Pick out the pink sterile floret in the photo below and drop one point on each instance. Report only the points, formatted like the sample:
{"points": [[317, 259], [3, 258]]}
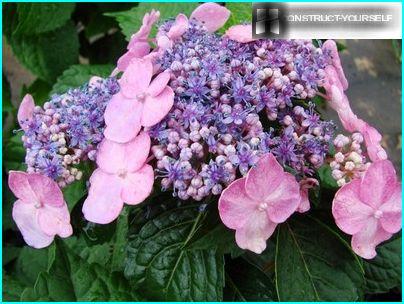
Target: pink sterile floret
{"points": [[122, 176], [140, 102], [40, 211], [212, 15], [240, 33], [255, 204], [25, 111], [369, 208]]}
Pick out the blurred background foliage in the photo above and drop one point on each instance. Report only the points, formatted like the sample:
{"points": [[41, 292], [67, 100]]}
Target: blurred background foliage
{"points": [[60, 45]]}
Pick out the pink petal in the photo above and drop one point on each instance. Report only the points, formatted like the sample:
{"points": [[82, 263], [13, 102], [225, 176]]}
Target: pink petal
{"points": [[349, 212], [268, 183], [254, 233], [103, 203], [372, 141], [156, 108], [25, 110], [391, 219], [240, 33], [26, 218], [378, 183], [164, 43], [55, 221], [139, 50], [148, 20], [114, 157], [304, 205], [158, 84], [235, 205], [365, 241], [19, 185], [46, 189], [179, 27], [122, 119], [136, 78], [212, 15], [138, 185], [331, 46]]}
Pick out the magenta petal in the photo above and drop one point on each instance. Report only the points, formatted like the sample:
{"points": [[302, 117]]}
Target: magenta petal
{"points": [[114, 157], [378, 183], [26, 218], [235, 205], [391, 219], [365, 241], [46, 190], [122, 119], [254, 233], [240, 33], [25, 110], [158, 84], [349, 212], [156, 108], [212, 15], [55, 221], [136, 77], [138, 185], [104, 202], [179, 27], [19, 185]]}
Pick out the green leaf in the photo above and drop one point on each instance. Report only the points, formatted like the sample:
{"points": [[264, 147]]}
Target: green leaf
{"points": [[74, 192], [10, 253], [384, 271], [47, 55], [313, 263], [39, 90], [71, 278], [240, 13], [161, 267], [37, 18], [119, 242], [77, 75], [131, 20], [14, 154], [326, 180], [7, 105], [12, 288], [247, 283]]}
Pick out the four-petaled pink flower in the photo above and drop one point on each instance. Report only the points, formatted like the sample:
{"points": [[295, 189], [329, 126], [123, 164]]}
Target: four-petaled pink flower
{"points": [[140, 102], [40, 211], [139, 46], [369, 208], [121, 176], [255, 204]]}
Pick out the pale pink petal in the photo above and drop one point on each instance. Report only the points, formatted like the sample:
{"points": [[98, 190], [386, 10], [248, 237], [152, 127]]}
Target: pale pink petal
{"points": [[164, 43], [254, 233], [26, 218], [240, 33], [122, 119], [46, 189], [365, 241], [137, 186], [148, 20], [331, 46], [156, 108], [104, 202], [55, 221], [378, 183], [179, 27], [372, 141], [391, 219], [212, 15], [349, 212], [19, 185], [25, 111], [304, 205], [158, 84], [136, 78], [139, 50], [114, 157], [235, 205]]}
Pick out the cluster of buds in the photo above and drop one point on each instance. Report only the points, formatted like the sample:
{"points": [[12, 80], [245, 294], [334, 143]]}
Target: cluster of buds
{"points": [[348, 162]]}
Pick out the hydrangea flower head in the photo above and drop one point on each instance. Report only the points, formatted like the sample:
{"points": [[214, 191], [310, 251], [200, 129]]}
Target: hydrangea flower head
{"points": [[369, 208], [255, 204], [40, 211]]}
